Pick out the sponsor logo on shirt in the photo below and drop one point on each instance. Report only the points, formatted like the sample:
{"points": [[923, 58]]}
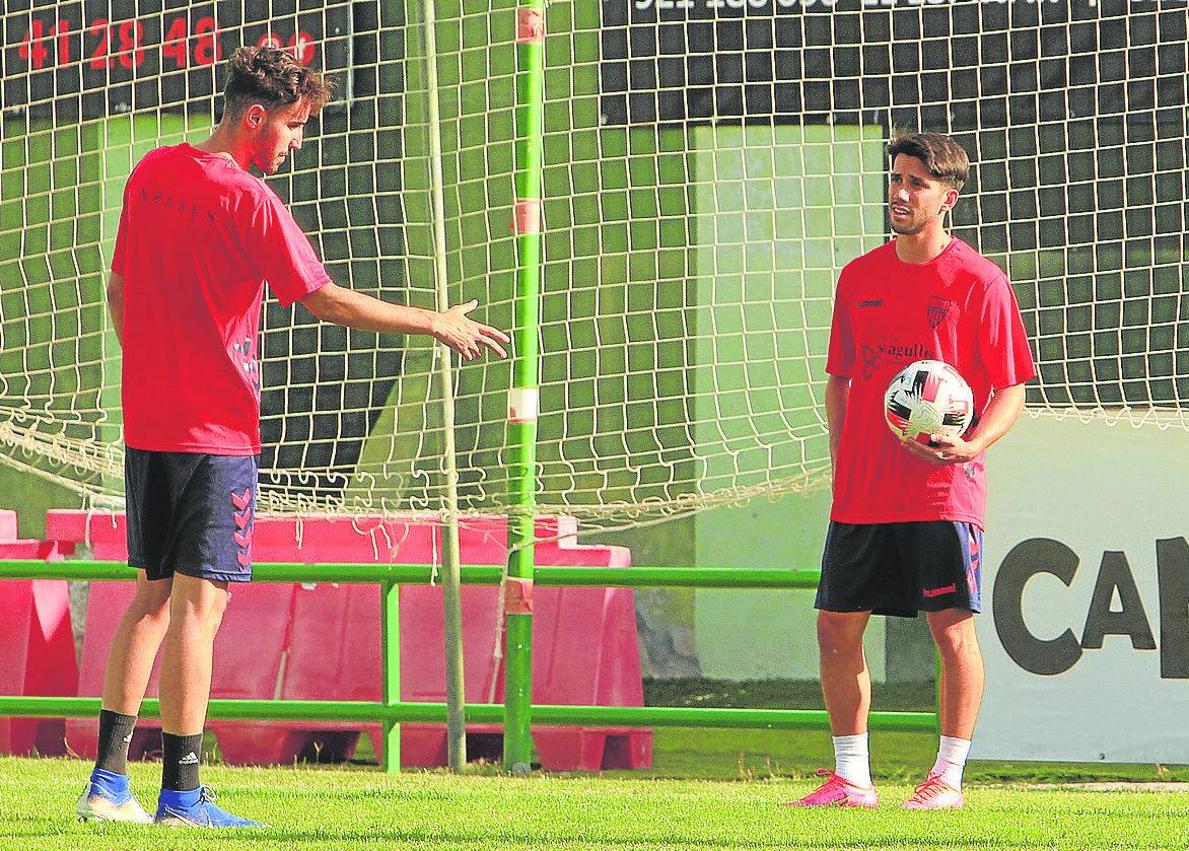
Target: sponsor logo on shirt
{"points": [[871, 302], [873, 358]]}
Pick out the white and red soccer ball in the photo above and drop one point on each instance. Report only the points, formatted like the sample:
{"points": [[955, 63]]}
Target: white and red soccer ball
{"points": [[926, 398]]}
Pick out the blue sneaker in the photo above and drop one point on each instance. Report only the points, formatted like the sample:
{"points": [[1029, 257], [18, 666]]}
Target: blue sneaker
{"points": [[196, 808], [108, 798]]}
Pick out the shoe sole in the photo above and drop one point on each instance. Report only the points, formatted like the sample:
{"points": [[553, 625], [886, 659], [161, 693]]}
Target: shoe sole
{"points": [[179, 821], [97, 812], [174, 821]]}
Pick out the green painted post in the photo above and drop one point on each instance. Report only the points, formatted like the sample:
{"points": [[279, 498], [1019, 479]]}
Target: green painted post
{"points": [[523, 395], [390, 662]]}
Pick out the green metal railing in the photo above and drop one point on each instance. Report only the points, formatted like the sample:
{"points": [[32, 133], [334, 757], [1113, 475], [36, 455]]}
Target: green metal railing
{"points": [[390, 711]]}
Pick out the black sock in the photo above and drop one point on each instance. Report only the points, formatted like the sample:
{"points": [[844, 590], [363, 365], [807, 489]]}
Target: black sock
{"points": [[179, 766], [115, 733]]}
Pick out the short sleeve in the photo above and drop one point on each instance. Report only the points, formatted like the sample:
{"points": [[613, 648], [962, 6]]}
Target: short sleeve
{"points": [[1002, 342], [283, 254], [840, 361]]}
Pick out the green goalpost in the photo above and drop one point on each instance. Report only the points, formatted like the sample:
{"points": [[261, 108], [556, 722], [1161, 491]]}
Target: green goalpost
{"points": [[523, 396]]}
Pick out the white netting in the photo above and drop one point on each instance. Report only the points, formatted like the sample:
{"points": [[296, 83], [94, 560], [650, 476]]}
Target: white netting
{"points": [[710, 165]]}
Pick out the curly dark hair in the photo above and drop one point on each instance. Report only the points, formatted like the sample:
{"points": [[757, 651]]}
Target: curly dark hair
{"points": [[272, 78], [945, 158]]}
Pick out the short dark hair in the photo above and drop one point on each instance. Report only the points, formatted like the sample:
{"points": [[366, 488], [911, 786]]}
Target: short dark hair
{"points": [[945, 158], [271, 78]]}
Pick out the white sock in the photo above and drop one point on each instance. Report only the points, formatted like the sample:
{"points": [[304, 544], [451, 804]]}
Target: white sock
{"points": [[951, 759], [851, 760]]}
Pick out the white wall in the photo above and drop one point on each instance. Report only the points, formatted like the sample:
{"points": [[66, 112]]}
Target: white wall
{"points": [[748, 635], [1089, 501]]}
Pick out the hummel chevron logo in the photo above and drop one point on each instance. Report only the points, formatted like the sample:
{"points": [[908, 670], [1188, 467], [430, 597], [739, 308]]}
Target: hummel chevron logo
{"points": [[243, 504], [243, 519]]}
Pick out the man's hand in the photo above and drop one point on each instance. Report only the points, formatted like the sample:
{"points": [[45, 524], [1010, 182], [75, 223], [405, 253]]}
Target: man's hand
{"points": [[343, 306], [466, 336], [1001, 413], [944, 450]]}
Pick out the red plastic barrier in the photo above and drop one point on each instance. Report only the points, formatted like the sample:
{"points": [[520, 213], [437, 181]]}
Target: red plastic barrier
{"points": [[584, 644], [106, 602], [36, 645], [322, 642], [253, 634]]}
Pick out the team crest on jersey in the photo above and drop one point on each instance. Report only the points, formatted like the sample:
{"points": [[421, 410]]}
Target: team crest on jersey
{"points": [[938, 310]]}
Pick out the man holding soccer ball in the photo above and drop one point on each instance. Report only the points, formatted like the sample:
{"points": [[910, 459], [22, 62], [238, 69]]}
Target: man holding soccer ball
{"points": [[199, 236], [906, 525]]}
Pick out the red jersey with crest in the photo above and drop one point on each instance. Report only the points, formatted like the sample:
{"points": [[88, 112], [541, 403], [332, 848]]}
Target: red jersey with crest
{"points": [[198, 238], [958, 308]]}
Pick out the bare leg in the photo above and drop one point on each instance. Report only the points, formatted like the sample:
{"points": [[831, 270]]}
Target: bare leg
{"points": [[846, 682], [134, 647], [197, 611], [961, 671]]}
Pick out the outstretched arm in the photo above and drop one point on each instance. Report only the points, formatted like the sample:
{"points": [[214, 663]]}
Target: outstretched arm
{"points": [[342, 306]]}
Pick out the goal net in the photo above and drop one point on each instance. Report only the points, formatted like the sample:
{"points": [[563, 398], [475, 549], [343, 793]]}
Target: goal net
{"points": [[710, 165]]}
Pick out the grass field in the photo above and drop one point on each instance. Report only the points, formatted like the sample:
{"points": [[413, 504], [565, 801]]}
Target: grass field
{"points": [[352, 808], [708, 789]]}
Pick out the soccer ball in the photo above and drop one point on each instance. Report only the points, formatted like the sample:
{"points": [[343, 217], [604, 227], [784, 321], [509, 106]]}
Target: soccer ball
{"points": [[928, 397]]}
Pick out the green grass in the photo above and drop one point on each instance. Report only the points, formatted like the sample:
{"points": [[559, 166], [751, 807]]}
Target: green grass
{"points": [[345, 808], [708, 789]]}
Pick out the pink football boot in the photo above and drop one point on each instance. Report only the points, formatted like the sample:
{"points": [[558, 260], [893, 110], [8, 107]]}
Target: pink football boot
{"points": [[837, 792], [933, 794]]}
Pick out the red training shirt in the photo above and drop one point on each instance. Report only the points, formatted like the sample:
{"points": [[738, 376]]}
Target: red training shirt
{"points": [[958, 308], [198, 238]]}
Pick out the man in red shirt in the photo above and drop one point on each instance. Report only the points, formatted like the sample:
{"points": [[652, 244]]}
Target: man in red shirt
{"points": [[906, 525], [199, 236]]}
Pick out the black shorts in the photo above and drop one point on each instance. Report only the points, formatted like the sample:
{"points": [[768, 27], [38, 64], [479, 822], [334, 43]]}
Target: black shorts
{"points": [[190, 513], [901, 568]]}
